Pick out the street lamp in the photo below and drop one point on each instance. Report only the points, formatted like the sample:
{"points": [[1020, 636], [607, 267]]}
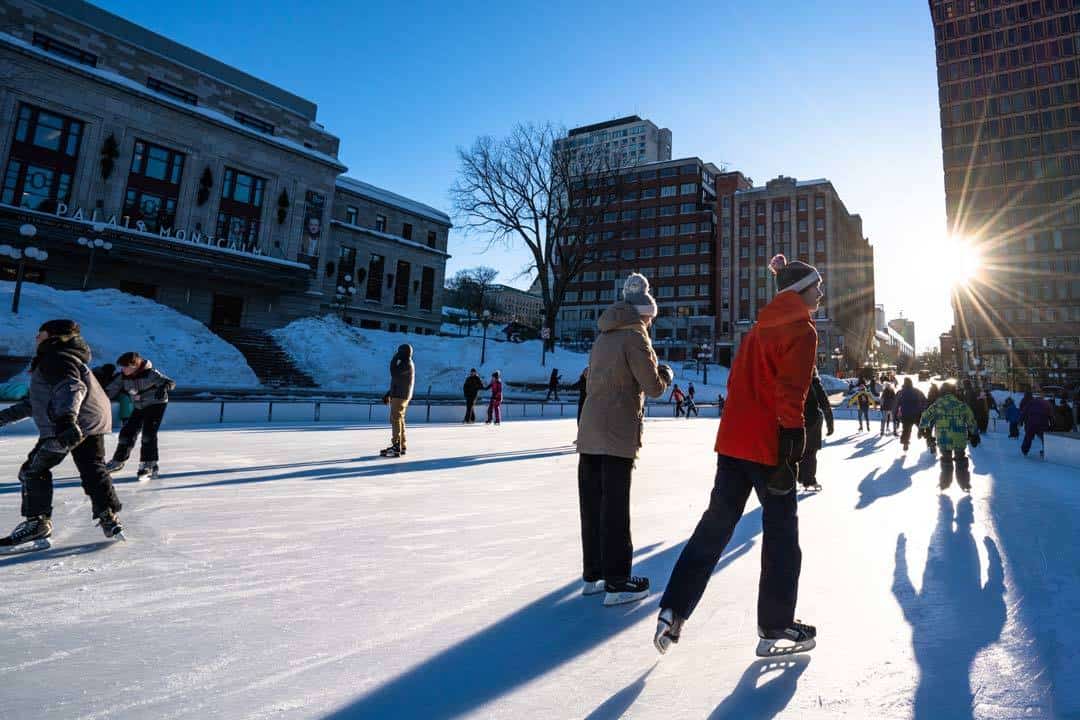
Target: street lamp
{"points": [[345, 293], [27, 232], [485, 320], [94, 245], [837, 355]]}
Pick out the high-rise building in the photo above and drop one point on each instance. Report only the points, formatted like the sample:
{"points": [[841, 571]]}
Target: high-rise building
{"points": [[1009, 90], [616, 143], [906, 328], [805, 220]]}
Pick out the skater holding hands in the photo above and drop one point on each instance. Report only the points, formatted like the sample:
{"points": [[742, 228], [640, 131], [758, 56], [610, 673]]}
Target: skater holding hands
{"points": [[148, 390], [494, 410]]}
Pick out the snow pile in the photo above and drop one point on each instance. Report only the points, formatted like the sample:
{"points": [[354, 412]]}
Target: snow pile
{"points": [[114, 322], [344, 357]]}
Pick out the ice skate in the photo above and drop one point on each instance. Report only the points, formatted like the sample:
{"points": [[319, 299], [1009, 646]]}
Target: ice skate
{"points": [[668, 630], [626, 591], [814, 487], [391, 451], [592, 587], [147, 471], [114, 466], [798, 638], [110, 525], [31, 534]]}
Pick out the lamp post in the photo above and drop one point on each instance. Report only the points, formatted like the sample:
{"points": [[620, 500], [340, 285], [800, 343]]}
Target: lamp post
{"points": [[27, 232], [485, 320], [94, 244], [345, 293], [837, 356]]}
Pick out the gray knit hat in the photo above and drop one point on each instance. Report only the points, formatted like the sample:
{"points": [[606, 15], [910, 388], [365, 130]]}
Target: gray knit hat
{"points": [[636, 292], [795, 275]]}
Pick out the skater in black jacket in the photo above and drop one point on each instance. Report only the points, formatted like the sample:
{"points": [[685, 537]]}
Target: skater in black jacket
{"points": [[553, 385], [582, 389], [472, 388], [73, 415], [149, 390], [816, 412]]}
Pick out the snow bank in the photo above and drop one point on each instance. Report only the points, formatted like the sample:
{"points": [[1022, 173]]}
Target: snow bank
{"points": [[114, 322], [344, 357]]}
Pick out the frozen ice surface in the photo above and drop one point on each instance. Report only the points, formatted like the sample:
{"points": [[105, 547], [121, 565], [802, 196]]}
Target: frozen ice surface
{"points": [[288, 572]]}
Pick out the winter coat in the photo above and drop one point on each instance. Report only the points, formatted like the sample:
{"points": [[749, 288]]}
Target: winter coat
{"points": [[954, 422], [62, 385], [401, 373], [622, 370], [473, 386], [815, 412], [496, 390], [144, 388], [862, 398], [1063, 418], [677, 396], [583, 391], [690, 391], [888, 399], [1036, 414], [910, 402], [1012, 413], [769, 380], [553, 382]]}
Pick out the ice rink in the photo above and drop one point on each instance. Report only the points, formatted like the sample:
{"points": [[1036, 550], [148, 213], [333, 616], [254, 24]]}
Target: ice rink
{"points": [[289, 572]]}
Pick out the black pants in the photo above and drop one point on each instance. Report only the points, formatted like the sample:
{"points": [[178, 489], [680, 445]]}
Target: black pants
{"points": [[580, 407], [781, 558], [808, 466], [905, 435], [470, 409], [553, 390], [147, 420], [89, 457], [604, 497], [1014, 430], [951, 459], [1029, 437]]}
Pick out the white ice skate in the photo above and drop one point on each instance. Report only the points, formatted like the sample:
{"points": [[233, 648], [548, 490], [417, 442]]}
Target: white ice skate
{"points": [[798, 638], [668, 630], [592, 588]]}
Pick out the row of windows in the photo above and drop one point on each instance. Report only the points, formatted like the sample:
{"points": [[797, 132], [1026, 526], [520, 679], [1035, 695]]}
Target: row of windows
{"points": [[1042, 315], [802, 204], [1008, 127], [352, 217], [1004, 150], [989, 200], [372, 279], [804, 247], [1013, 172], [1009, 82], [978, 110], [665, 271], [661, 292], [1006, 38], [782, 228], [640, 176], [1008, 60], [650, 213], [977, 12]]}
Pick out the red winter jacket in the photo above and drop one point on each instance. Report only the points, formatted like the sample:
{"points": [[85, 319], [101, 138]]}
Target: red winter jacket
{"points": [[769, 381]]}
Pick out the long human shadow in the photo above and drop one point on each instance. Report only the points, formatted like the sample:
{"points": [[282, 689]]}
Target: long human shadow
{"points": [[894, 480], [954, 616], [392, 466], [53, 553], [750, 699], [868, 446], [616, 706], [520, 647]]}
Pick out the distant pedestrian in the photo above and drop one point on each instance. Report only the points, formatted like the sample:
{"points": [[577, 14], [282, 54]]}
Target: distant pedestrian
{"points": [[472, 387], [910, 403], [888, 409], [862, 400], [720, 406], [678, 397], [553, 385], [1063, 416], [1036, 415], [148, 390], [494, 409], [816, 412], [1012, 416], [691, 407], [402, 377], [582, 389], [690, 391]]}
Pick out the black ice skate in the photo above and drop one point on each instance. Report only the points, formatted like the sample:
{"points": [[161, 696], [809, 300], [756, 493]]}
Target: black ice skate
{"points": [[110, 525], [797, 638], [391, 451], [31, 534], [626, 591], [147, 471], [114, 466], [668, 629]]}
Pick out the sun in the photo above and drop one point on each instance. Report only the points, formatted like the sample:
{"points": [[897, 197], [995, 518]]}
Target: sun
{"points": [[958, 260]]}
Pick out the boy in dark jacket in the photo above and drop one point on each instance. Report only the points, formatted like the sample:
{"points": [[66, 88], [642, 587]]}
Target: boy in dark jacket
{"points": [[402, 373], [815, 412], [73, 415], [583, 391], [472, 388], [553, 385], [888, 409], [148, 389], [1035, 415], [1012, 416], [910, 403]]}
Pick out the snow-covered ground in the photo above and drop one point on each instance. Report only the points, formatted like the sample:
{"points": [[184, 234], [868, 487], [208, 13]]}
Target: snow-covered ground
{"points": [[345, 357], [114, 323], [288, 572]]}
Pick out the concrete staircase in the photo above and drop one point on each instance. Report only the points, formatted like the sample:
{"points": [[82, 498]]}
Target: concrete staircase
{"points": [[268, 361]]}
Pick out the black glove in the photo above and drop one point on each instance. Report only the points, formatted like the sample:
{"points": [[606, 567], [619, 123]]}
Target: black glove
{"points": [[666, 373], [830, 430], [782, 479], [68, 433], [974, 439], [386, 399]]}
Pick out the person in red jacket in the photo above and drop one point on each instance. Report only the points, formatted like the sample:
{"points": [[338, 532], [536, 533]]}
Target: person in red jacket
{"points": [[495, 404], [759, 444]]}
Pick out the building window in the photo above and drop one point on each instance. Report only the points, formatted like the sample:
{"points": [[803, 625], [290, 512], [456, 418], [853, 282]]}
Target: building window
{"points": [[819, 246], [432, 239], [761, 293], [346, 266], [819, 225], [374, 277], [571, 296], [253, 122], [704, 289], [401, 289], [687, 269], [688, 188], [241, 209], [427, 288], [669, 191], [667, 271], [688, 249], [667, 291], [153, 185], [380, 223], [802, 226], [172, 91], [687, 291], [802, 204], [44, 154], [406, 231], [687, 228], [351, 215], [667, 250], [629, 254], [819, 202], [62, 49]]}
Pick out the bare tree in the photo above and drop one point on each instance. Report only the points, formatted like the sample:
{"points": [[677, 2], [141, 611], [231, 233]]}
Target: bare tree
{"points": [[471, 288], [528, 189]]}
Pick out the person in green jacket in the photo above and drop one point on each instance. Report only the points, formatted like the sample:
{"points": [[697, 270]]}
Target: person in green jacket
{"points": [[955, 425]]}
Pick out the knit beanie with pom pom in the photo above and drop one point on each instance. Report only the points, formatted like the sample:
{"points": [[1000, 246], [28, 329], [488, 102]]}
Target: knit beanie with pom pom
{"points": [[795, 275], [636, 292]]}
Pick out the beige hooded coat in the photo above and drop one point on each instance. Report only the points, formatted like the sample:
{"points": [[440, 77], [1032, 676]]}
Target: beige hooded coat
{"points": [[622, 370]]}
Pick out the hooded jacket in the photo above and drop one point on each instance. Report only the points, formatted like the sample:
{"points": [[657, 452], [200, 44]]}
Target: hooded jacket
{"points": [[910, 402], [1036, 414], [143, 386], [769, 380], [472, 387], [816, 411], [953, 421], [622, 370], [62, 386], [401, 373]]}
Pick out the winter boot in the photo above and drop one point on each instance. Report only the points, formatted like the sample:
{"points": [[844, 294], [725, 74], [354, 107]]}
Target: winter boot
{"points": [[625, 591], [110, 524], [31, 534], [668, 629], [946, 477], [963, 474], [592, 587], [796, 638]]}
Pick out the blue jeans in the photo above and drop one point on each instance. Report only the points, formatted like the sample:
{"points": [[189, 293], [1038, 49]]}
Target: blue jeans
{"points": [[781, 558]]}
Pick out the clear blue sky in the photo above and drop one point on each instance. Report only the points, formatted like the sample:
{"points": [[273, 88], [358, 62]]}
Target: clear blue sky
{"points": [[842, 89]]}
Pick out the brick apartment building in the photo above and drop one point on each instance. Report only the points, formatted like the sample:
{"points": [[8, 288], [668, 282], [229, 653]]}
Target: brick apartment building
{"points": [[1009, 90]]}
